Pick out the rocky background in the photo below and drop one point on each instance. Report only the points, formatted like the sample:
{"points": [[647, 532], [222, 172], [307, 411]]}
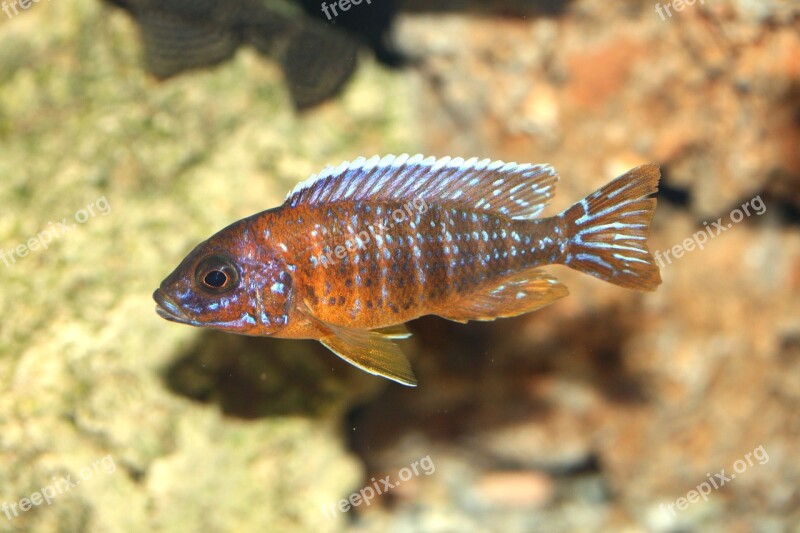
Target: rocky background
{"points": [[603, 412]]}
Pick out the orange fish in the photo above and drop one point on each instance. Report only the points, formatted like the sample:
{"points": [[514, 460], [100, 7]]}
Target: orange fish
{"points": [[359, 249]]}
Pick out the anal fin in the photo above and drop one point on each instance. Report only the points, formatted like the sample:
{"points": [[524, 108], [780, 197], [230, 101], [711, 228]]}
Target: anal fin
{"points": [[513, 296], [398, 331]]}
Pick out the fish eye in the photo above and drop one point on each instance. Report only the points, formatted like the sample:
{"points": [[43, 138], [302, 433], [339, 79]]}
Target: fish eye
{"points": [[215, 279], [216, 274]]}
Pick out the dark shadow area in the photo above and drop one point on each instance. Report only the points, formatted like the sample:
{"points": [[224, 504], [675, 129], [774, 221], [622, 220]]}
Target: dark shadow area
{"points": [[474, 379], [780, 192], [251, 377], [789, 211], [680, 197], [477, 377], [782, 206]]}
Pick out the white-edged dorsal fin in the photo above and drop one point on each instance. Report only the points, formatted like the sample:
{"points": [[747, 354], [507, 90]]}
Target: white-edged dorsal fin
{"points": [[515, 190]]}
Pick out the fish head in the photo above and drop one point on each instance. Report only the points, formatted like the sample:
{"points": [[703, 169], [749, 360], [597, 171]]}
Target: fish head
{"points": [[227, 283]]}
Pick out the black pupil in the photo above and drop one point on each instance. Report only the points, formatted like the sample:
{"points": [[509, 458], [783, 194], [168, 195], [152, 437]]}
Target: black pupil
{"points": [[216, 279]]}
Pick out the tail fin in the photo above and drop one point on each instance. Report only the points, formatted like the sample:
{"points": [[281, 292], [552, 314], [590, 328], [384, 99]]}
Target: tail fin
{"points": [[608, 231]]}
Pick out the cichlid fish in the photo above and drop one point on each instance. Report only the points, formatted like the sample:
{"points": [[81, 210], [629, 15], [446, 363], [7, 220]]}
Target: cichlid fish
{"points": [[359, 249], [370, 22], [180, 35]]}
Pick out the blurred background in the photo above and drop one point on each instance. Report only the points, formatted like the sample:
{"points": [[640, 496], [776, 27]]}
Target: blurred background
{"points": [[132, 130]]}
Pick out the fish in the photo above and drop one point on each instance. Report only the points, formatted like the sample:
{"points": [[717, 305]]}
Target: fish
{"points": [[359, 249], [370, 22], [181, 35]]}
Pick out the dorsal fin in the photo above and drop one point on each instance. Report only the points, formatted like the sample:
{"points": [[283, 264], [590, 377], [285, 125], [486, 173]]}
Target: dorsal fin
{"points": [[518, 191]]}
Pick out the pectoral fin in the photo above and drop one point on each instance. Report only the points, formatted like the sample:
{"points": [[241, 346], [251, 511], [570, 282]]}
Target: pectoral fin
{"points": [[372, 352]]}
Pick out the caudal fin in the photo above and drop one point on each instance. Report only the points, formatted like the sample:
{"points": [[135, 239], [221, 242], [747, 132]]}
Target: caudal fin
{"points": [[608, 231]]}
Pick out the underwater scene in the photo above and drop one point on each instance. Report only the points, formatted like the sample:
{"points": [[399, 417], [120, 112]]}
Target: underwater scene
{"points": [[400, 266]]}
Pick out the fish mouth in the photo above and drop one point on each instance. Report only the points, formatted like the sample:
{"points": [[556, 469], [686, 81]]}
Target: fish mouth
{"points": [[168, 309]]}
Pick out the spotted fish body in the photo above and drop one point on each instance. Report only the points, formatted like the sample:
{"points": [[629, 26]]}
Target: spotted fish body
{"points": [[362, 248]]}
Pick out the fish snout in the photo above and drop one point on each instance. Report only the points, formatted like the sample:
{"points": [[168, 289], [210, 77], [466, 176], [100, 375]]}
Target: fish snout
{"points": [[168, 309]]}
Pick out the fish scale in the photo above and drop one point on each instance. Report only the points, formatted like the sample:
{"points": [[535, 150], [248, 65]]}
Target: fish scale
{"points": [[361, 248], [414, 284]]}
